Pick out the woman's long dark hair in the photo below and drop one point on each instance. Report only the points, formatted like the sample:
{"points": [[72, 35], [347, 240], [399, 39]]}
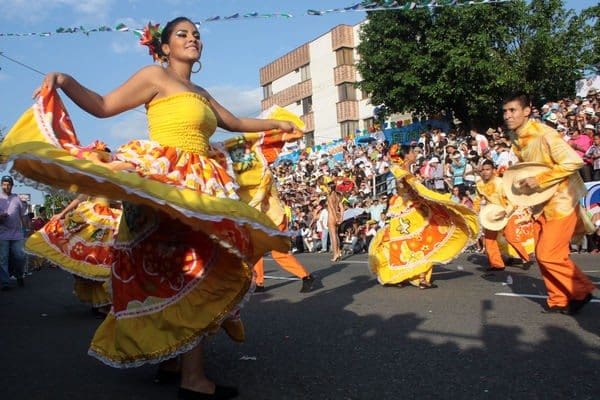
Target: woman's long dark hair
{"points": [[165, 35]]}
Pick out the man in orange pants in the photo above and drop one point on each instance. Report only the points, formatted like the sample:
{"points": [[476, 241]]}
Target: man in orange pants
{"points": [[265, 199], [288, 262], [491, 190], [568, 288]]}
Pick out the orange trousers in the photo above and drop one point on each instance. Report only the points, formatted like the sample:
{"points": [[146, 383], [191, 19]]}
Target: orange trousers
{"points": [[286, 260], [493, 250], [563, 279]]}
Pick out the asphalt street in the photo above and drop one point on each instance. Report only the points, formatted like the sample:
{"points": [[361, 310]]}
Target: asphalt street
{"points": [[474, 337]]}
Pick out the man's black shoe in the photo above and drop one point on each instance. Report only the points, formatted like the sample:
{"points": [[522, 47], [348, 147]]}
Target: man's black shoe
{"points": [[576, 305], [307, 284], [556, 310], [491, 271], [529, 264]]}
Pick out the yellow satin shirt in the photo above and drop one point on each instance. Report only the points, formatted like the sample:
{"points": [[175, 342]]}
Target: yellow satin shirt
{"points": [[536, 142], [492, 191]]}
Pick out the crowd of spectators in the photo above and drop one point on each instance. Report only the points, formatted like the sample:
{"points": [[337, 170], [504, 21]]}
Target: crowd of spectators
{"points": [[447, 162]]}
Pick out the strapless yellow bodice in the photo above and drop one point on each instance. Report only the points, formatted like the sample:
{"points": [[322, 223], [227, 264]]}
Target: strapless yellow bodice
{"points": [[183, 120]]}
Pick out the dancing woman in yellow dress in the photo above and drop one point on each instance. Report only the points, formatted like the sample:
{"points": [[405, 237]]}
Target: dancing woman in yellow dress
{"points": [[186, 243], [425, 228], [79, 240]]}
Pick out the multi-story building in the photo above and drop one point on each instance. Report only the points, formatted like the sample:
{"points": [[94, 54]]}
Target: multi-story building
{"points": [[317, 81]]}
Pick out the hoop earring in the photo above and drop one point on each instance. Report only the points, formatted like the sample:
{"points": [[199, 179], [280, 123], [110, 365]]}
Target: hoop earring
{"points": [[199, 67], [164, 61]]}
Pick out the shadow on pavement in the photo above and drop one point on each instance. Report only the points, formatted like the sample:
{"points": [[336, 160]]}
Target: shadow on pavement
{"points": [[304, 347]]}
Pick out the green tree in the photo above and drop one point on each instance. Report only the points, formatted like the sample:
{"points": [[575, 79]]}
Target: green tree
{"points": [[56, 200], [591, 34], [463, 60]]}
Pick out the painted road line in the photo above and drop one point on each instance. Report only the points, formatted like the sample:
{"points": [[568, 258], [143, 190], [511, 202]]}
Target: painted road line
{"points": [[281, 278], [342, 261], [533, 296]]}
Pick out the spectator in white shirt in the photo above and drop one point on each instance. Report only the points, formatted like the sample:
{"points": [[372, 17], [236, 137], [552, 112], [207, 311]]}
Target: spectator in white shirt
{"points": [[482, 142], [322, 228], [505, 157]]}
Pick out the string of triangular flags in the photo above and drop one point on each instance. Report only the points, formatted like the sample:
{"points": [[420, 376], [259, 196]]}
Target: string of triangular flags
{"points": [[387, 5]]}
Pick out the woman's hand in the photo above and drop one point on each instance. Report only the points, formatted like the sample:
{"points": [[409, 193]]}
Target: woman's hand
{"points": [[58, 216], [530, 183], [52, 80], [287, 126]]}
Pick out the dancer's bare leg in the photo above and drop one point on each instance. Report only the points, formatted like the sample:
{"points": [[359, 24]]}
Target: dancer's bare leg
{"points": [[192, 372], [335, 245], [114, 165], [120, 166]]}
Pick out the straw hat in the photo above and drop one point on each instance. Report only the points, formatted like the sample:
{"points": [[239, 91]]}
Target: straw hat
{"points": [[552, 118], [526, 197], [488, 220]]}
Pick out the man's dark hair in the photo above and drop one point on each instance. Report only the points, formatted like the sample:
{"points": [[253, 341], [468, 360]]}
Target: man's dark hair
{"points": [[488, 162], [523, 98]]}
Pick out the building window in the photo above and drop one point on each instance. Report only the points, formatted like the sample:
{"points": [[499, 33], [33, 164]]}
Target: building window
{"points": [[368, 124], [267, 91], [346, 91], [309, 139], [344, 56], [304, 73], [348, 128], [363, 94], [306, 105]]}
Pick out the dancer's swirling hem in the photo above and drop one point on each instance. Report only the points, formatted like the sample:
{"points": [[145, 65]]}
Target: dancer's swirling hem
{"points": [[43, 162], [56, 167], [186, 344], [80, 238], [460, 228]]}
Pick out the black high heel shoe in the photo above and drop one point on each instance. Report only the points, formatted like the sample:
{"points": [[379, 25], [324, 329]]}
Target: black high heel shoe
{"points": [[221, 393]]}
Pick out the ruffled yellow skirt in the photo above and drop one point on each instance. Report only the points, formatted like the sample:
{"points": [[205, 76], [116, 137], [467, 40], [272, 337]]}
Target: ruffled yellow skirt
{"points": [[92, 292], [81, 243], [181, 261], [426, 228]]}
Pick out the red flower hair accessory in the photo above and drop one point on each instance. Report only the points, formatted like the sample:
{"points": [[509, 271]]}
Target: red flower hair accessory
{"points": [[151, 37]]}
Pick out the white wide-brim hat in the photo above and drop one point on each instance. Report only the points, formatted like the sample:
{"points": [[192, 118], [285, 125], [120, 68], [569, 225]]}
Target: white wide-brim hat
{"points": [[524, 196], [488, 220]]}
